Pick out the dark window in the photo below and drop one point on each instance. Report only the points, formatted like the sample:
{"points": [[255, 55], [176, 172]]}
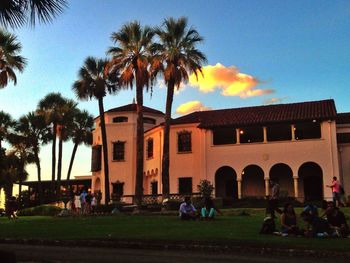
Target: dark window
{"points": [[154, 188], [118, 188], [279, 132], [96, 158], [224, 136], [184, 142], [251, 134], [119, 151], [185, 185], [150, 148], [307, 130], [149, 120], [120, 119]]}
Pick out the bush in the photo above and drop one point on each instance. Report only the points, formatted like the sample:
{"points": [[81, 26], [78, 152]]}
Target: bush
{"points": [[105, 209], [42, 210]]}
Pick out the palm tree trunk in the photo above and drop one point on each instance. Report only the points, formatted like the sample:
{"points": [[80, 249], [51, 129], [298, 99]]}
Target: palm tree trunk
{"points": [[38, 168], [166, 157], [71, 161], [53, 163], [139, 146], [104, 149], [59, 164]]}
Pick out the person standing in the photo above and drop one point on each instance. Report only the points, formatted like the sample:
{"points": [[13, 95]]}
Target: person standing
{"points": [[335, 186], [273, 199]]}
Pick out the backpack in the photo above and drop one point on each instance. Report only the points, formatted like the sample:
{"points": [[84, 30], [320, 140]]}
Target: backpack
{"points": [[268, 226], [341, 190]]}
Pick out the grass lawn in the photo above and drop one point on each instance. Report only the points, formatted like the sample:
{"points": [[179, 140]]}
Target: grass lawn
{"points": [[228, 229]]}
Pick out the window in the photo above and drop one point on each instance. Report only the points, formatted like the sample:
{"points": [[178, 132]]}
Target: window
{"points": [[120, 119], [154, 188], [185, 185], [224, 136], [251, 134], [149, 120], [279, 132], [118, 188], [184, 142], [149, 149], [119, 151], [307, 130], [96, 158]]}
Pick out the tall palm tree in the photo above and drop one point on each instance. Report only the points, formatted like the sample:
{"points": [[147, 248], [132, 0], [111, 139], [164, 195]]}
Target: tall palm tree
{"points": [[93, 83], [50, 107], [33, 126], [65, 126], [176, 56], [81, 134], [16, 13], [131, 59], [10, 60], [6, 125]]}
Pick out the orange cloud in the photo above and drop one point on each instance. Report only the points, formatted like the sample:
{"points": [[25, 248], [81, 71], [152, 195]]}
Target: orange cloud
{"points": [[229, 80], [191, 106]]}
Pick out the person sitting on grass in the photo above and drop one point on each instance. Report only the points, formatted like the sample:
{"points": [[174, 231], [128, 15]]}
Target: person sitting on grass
{"points": [[209, 209], [315, 225], [289, 221], [187, 210], [337, 221], [11, 207]]}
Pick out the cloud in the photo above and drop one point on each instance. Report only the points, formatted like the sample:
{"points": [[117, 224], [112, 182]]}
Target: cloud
{"points": [[161, 84], [191, 106], [274, 100], [229, 80]]}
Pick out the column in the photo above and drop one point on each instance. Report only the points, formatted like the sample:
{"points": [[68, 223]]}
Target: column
{"points": [[239, 186], [267, 186], [237, 137], [265, 134], [293, 132], [296, 186]]}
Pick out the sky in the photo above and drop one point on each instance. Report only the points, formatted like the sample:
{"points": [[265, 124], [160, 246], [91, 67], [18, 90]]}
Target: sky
{"points": [[259, 52]]}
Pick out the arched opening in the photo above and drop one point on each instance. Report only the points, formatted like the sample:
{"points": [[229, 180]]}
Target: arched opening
{"points": [[311, 181], [253, 183], [226, 183], [97, 185], [283, 175]]}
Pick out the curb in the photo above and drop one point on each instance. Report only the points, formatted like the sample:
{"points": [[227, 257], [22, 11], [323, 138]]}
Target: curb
{"points": [[184, 245]]}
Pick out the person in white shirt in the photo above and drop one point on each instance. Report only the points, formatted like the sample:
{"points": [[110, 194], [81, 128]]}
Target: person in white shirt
{"points": [[187, 210]]}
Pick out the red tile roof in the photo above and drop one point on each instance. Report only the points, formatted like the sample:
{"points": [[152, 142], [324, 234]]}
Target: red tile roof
{"points": [[132, 107], [343, 118], [304, 111], [343, 137]]}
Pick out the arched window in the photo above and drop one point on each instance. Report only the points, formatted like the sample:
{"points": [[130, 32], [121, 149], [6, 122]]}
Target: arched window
{"points": [[120, 119]]}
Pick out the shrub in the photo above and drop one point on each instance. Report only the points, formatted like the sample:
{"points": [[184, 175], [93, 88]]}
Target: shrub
{"points": [[42, 210], [206, 188]]}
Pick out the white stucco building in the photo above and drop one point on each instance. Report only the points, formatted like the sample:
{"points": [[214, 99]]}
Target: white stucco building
{"points": [[302, 145]]}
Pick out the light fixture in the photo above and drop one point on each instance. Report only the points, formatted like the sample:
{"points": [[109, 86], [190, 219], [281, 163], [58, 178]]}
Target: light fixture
{"points": [[241, 132]]}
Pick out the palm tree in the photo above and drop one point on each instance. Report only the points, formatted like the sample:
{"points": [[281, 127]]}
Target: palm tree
{"points": [[65, 126], [16, 13], [34, 128], [176, 56], [81, 134], [131, 59], [50, 107], [10, 60], [93, 83], [6, 124]]}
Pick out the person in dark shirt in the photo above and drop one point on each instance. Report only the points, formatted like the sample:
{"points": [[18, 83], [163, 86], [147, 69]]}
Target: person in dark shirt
{"points": [[209, 209], [315, 225], [289, 221], [337, 221]]}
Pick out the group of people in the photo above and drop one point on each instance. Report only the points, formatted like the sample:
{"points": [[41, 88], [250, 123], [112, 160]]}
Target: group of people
{"points": [[187, 210], [83, 202]]}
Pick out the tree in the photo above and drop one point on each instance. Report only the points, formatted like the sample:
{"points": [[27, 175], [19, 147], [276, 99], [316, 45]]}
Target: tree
{"points": [[6, 125], [16, 13], [34, 128], [50, 107], [10, 60], [131, 61], [93, 83], [81, 134], [176, 56]]}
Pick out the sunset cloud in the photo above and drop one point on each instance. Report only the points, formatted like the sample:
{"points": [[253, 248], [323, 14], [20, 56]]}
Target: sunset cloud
{"points": [[229, 80], [274, 100], [191, 106]]}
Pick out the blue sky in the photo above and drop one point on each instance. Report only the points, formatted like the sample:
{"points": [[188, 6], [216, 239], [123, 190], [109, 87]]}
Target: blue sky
{"points": [[299, 49]]}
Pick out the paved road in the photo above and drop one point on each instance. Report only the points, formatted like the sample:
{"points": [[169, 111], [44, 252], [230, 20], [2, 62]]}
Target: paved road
{"points": [[27, 253]]}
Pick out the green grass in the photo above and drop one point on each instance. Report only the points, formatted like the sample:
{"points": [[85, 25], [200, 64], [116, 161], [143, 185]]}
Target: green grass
{"points": [[228, 229]]}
